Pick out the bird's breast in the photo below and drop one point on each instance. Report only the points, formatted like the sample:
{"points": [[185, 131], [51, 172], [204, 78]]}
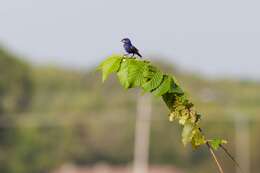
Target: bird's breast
{"points": [[127, 47]]}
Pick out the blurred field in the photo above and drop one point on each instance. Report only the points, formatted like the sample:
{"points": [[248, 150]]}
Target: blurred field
{"points": [[52, 117], [113, 169]]}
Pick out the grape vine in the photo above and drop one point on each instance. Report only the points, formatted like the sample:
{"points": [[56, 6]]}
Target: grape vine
{"points": [[132, 72]]}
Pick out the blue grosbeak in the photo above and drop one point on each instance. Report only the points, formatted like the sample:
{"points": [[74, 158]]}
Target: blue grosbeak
{"points": [[129, 48]]}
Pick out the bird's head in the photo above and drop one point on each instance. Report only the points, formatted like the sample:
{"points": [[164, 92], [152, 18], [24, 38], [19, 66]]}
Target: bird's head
{"points": [[126, 40]]}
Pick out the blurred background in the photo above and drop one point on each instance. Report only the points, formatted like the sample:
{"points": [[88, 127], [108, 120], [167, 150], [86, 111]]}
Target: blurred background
{"points": [[56, 116]]}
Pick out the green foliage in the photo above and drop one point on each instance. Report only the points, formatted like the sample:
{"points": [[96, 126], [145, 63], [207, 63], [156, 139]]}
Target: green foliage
{"points": [[132, 72], [154, 82], [111, 65], [15, 84], [216, 143], [164, 87], [123, 74], [137, 73], [15, 97]]}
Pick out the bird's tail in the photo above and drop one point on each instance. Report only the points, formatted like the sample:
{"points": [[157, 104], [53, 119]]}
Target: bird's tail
{"points": [[139, 54]]}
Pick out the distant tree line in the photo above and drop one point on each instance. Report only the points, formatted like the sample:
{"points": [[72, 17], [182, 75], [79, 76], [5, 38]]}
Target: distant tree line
{"points": [[15, 84], [15, 96]]}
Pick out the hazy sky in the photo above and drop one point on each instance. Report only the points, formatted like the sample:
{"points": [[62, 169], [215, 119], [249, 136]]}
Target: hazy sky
{"points": [[211, 37]]}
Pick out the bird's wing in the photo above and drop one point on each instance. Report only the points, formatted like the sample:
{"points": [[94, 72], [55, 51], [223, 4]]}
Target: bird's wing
{"points": [[134, 49]]}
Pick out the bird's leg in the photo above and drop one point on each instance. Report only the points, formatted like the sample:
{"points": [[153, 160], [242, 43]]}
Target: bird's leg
{"points": [[133, 55]]}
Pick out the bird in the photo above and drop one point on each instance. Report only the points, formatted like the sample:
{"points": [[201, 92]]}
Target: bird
{"points": [[129, 48]]}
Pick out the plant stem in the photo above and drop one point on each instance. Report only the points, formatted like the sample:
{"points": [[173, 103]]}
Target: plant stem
{"points": [[231, 157], [214, 157]]}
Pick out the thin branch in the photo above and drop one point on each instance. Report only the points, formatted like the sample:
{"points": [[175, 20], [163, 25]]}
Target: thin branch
{"points": [[214, 157], [231, 157]]}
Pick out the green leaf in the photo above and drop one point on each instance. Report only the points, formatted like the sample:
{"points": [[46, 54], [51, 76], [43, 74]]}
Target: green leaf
{"points": [[215, 143], [122, 74], [175, 88], [187, 133], [109, 66], [133, 73], [164, 87], [151, 71], [154, 82], [136, 72]]}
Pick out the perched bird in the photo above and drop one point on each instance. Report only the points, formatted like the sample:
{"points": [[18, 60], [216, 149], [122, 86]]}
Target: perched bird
{"points": [[129, 48]]}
